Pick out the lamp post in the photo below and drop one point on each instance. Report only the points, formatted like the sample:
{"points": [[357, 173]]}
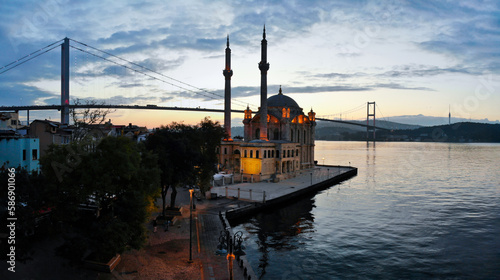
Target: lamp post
{"points": [[230, 258], [234, 247], [190, 225]]}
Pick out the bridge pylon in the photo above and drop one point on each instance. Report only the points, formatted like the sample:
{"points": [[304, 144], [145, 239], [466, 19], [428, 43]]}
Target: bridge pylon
{"points": [[370, 116], [65, 81]]}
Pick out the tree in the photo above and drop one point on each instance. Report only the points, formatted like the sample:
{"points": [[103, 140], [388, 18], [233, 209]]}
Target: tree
{"points": [[176, 157], [27, 195], [210, 134], [120, 179], [186, 155], [88, 122]]}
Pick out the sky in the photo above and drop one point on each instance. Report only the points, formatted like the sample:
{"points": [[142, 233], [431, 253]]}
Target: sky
{"points": [[410, 57]]}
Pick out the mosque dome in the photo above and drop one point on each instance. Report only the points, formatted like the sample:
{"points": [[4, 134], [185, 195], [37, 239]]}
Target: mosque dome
{"points": [[281, 100]]}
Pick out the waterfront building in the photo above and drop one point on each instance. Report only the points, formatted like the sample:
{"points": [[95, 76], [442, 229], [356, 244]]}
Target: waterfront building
{"points": [[18, 151], [278, 140]]}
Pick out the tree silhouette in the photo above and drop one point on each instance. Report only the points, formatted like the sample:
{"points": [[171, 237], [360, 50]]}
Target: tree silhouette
{"points": [[186, 155]]}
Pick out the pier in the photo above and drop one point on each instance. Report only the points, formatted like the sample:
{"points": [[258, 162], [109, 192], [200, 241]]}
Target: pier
{"points": [[255, 197]]}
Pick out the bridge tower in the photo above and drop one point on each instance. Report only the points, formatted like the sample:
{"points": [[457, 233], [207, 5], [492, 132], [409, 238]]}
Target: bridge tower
{"points": [[65, 81], [370, 115]]}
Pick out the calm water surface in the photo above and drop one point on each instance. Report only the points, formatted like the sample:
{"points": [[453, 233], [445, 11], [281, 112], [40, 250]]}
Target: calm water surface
{"points": [[415, 210]]}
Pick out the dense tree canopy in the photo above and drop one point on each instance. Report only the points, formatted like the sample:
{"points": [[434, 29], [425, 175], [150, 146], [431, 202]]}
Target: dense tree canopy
{"points": [[118, 179], [186, 154]]}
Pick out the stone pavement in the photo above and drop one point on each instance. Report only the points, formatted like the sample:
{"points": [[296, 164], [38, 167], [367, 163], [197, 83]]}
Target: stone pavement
{"points": [[255, 191], [209, 226], [157, 261]]}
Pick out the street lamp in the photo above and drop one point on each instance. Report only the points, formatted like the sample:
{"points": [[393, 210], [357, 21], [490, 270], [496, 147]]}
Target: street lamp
{"points": [[234, 247], [190, 225]]}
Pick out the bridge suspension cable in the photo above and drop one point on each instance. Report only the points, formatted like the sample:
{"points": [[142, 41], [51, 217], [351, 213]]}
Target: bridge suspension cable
{"points": [[198, 91], [211, 95], [383, 118], [346, 112], [29, 57], [138, 71]]}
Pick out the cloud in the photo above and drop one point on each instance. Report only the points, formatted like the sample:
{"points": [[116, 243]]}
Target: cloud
{"points": [[399, 86], [466, 32], [125, 100], [339, 76], [414, 70], [163, 35], [19, 94]]}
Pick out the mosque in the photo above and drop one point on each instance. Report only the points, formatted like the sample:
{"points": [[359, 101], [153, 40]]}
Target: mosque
{"points": [[278, 140]]}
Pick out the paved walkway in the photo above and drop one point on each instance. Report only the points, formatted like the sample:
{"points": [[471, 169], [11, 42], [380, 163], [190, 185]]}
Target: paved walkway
{"points": [[255, 191], [209, 226], [167, 253]]}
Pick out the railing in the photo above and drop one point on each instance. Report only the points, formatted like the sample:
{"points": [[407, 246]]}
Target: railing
{"points": [[223, 181], [250, 194]]}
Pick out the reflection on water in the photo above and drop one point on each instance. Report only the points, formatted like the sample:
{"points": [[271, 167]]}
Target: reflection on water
{"points": [[277, 229], [415, 210]]}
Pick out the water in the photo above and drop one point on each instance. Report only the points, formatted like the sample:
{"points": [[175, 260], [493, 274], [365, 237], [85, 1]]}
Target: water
{"points": [[415, 210]]}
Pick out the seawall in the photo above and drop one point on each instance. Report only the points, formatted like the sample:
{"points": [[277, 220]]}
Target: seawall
{"points": [[299, 187]]}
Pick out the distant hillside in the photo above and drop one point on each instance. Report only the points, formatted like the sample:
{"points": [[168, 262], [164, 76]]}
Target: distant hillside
{"points": [[458, 132], [433, 121], [338, 131], [237, 131]]}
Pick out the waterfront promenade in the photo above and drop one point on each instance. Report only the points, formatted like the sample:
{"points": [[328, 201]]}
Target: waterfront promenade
{"points": [[166, 254], [262, 192]]}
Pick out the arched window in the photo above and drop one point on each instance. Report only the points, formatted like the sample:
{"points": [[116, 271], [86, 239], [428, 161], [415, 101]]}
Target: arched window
{"points": [[246, 153], [291, 135], [256, 154], [257, 133], [276, 134]]}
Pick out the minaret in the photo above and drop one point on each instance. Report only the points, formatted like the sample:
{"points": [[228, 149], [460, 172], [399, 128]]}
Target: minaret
{"points": [[227, 72], [263, 66]]}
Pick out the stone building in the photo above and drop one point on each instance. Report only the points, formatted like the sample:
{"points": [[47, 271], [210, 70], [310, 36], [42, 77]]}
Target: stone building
{"points": [[275, 147]]}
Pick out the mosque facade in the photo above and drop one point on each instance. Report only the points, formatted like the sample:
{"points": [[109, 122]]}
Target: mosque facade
{"points": [[278, 139]]}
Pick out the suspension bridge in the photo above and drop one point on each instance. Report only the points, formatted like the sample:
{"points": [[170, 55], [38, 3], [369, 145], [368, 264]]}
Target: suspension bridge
{"points": [[151, 74]]}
